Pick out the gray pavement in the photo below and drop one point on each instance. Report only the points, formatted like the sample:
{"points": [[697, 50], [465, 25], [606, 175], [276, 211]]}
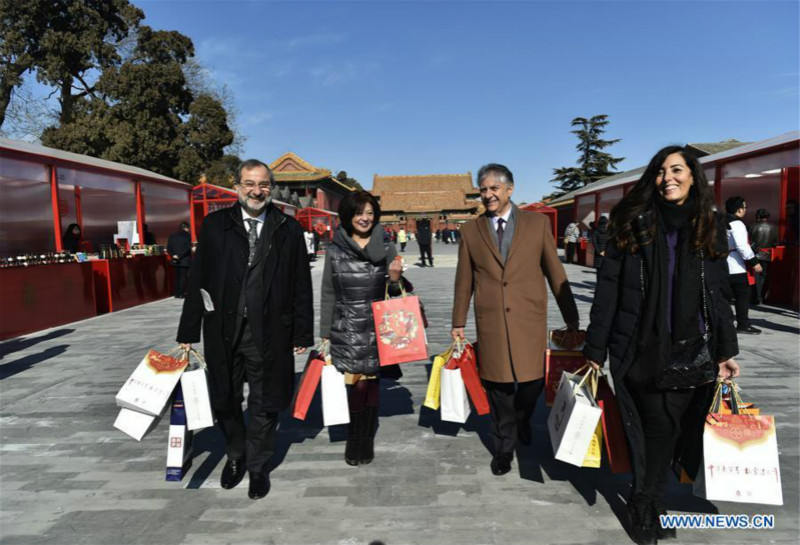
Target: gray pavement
{"points": [[67, 476]]}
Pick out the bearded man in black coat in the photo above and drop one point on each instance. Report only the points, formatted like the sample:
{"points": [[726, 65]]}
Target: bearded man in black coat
{"points": [[250, 292]]}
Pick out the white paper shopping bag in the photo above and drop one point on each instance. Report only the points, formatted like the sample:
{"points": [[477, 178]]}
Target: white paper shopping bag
{"points": [[148, 388], [335, 409], [134, 423], [573, 420], [454, 401], [196, 399], [740, 460]]}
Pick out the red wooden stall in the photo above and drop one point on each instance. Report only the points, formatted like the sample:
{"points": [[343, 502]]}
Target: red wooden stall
{"points": [[42, 296], [551, 213], [322, 222]]}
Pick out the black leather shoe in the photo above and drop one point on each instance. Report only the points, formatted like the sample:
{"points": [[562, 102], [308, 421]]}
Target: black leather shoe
{"points": [[501, 464], [259, 485], [749, 330], [232, 474], [524, 434]]}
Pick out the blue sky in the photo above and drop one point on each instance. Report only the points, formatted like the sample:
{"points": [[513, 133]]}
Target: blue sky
{"points": [[444, 87]]}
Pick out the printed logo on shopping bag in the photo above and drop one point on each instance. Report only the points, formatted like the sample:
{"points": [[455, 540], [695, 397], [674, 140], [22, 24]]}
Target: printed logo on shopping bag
{"points": [[175, 442], [740, 430], [398, 328], [161, 363]]}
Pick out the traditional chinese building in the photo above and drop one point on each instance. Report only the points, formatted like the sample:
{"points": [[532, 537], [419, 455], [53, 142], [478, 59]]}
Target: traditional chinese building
{"points": [[303, 185], [446, 199]]}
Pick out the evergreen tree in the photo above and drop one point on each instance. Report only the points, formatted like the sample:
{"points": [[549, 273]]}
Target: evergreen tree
{"points": [[593, 163]]}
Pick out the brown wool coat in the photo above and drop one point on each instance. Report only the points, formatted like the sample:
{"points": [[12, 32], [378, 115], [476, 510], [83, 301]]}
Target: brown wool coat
{"points": [[510, 299]]}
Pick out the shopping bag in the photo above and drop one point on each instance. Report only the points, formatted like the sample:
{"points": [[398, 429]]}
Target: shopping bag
{"points": [[433, 394], [149, 387], [335, 409], [563, 353], [740, 457], [135, 424], [399, 328], [616, 444], [454, 402], [179, 443], [309, 381], [573, 420], [196, 399], [467, 360], [595, 453]]}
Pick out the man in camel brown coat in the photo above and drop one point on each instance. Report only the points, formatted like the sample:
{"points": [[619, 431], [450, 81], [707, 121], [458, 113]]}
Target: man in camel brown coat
{"points": [[503, 259]]}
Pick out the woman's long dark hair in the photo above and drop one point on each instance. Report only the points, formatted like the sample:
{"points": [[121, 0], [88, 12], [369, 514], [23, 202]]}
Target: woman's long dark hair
{"points": [[642, 196]]}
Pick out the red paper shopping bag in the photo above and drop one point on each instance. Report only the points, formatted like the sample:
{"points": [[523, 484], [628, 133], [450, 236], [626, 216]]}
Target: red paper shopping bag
{"points": [[400, 330], [613, 430], [308, 385], [467, 361]]}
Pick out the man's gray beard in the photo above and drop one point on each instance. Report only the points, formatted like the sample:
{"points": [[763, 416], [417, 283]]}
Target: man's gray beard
{"points": [[254, 211]]}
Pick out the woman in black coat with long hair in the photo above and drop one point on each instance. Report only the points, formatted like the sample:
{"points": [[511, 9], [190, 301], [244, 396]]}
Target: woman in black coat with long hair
{"points": [[663, 281]]}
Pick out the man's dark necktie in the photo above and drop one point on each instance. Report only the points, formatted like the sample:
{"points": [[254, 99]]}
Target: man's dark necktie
{"points": [[500, 232], [252, 239]]}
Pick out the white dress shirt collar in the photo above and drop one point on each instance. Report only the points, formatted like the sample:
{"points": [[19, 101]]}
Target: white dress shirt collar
{"points": [[504, 217], [260, 219]]}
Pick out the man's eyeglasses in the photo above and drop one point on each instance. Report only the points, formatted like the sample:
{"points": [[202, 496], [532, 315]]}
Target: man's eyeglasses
{"points": [[263, 186]]}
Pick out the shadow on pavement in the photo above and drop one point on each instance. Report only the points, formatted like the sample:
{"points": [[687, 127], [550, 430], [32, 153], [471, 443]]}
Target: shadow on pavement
{"points": [[25, 363], [15, 345], [765, 324]]}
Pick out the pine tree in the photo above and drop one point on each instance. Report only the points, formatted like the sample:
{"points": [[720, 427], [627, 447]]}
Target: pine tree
{"points": [[593, 163]]}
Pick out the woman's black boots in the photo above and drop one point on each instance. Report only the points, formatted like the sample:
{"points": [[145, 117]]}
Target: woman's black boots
{"points": [[352, 450], [641, 520], [368, 428], [661, 532]]}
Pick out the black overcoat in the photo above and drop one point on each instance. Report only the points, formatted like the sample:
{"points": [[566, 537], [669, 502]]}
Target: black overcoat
{"points": [[286, 315], [613, 331], [180, 244]]}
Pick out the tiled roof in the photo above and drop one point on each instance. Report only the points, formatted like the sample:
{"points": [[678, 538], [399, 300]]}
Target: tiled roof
{"points": [[716, 147], [425, 193], [291, 168]]}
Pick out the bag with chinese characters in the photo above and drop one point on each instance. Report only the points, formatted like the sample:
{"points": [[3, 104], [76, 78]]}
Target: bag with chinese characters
{"points": [[196, 398], [574, 418], [740, 456], [149, 387]]}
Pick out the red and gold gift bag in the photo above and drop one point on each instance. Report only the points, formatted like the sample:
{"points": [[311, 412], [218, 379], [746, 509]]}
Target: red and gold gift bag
{"points": [[400, 330]]}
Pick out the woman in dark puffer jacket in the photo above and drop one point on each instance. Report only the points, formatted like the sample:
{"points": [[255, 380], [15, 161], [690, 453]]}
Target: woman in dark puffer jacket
{"points": [[664, 279], [355, 275]]}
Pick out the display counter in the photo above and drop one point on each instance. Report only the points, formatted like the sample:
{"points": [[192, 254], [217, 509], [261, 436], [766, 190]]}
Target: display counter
{"points": [[43, 296], [126, 282]]}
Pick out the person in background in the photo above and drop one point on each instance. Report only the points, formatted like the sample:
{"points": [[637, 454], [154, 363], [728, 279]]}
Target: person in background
{"points": [[571, 235], [763, 237], [402, 239], [149, 238], [71, 241], [424, 241], [740, 257], [600, 241], [438, 235], [250, 294], [446, 235], [358, 264], [505, 259], [664, 280], [179, 248]]}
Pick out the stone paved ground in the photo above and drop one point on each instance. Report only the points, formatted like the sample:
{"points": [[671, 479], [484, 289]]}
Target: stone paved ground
{"points": [[67, 476]]}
